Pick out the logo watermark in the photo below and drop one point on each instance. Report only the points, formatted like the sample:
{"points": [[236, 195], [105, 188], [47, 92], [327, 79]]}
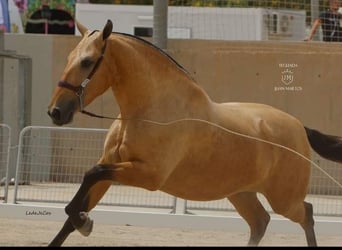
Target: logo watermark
{"points": [[287, 78], [38, 212]]}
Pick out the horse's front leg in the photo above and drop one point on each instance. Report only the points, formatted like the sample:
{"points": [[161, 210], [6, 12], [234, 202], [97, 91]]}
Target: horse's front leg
{"points": [[62, 234], [95, 184]]}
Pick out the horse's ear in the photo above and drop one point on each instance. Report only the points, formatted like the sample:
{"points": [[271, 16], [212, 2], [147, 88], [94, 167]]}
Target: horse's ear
{"points": [[107, 30], [81, 28]]}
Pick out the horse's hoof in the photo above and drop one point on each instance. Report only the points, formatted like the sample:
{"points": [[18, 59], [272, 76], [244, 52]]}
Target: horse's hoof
{"points": [[87, 226]]}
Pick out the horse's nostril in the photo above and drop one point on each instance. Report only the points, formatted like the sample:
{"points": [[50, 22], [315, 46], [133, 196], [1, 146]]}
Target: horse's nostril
{"points": [[55, 114]]}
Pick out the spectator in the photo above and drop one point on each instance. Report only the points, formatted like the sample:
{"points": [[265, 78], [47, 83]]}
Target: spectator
{"points": [[10, 19], [331, 21]]}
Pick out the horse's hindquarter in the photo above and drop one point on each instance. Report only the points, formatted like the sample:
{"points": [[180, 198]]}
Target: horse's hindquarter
{"points": [[221, 162]]}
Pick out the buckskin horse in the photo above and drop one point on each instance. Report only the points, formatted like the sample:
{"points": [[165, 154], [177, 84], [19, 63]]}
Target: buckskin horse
{"points": [[171, 136]]}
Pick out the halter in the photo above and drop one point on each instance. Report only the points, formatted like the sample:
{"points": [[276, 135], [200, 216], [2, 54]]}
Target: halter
{"points": [[79, 90]]}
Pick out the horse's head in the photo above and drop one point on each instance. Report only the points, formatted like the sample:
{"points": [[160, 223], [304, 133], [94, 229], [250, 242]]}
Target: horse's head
{"points": [[84, 65]]}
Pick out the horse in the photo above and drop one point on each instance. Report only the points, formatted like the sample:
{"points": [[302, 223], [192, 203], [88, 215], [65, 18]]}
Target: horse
{"points": [[170, 136]]}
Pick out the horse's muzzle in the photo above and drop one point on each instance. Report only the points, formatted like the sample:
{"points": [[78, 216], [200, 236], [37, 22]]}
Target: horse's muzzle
{"points": [[62, 114], [57, 119]]}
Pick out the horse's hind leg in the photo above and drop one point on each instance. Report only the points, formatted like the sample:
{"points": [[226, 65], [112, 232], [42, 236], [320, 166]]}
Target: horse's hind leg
{"points": [[299, 212], [308, 225], [250, 208]]}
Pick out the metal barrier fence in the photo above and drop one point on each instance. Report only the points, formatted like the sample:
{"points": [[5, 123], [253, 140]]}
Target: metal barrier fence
{"points": [[5, 143], [52, 161]]}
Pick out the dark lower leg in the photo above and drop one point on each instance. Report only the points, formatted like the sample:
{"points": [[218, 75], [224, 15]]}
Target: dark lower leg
{"points": [[258, 229], [63, 234], [83, 202], [308, 225], [250, 208], [80, 202]]}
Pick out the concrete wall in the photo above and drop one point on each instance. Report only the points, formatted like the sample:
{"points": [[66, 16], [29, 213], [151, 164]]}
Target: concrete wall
{"points": [[252, 72], [228, 71]]}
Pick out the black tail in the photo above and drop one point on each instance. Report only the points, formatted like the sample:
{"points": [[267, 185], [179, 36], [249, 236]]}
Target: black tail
{"points": [[327, 146]]}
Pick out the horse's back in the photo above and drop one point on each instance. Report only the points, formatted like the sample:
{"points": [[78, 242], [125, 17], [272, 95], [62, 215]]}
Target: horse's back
{"points": [[244, 148], [262, 121]]}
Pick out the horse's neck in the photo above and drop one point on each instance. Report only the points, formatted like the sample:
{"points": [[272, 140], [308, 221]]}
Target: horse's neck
{"points": [[149, 79]]}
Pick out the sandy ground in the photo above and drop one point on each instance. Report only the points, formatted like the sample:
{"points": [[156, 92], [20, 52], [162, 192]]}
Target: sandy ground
{"points": [[18, 232]]}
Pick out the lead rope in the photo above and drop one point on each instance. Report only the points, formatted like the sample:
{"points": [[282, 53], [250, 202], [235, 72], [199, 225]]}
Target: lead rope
{"points": [[224, 129]]}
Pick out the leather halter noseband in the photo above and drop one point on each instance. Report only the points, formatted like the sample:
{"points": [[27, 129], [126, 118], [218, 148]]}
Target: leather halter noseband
{"points": [[79, 90]]}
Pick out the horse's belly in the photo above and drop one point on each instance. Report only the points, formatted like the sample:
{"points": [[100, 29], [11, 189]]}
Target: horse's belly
{"points": [[204, 183], [200, 192], [246, 170]]}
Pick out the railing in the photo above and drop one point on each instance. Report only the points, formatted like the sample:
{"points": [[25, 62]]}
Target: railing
{"points": [[52, 161], [5, 143]]}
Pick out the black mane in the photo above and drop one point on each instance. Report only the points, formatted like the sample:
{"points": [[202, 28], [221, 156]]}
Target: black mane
{"points": [[151, 45], [155, 47]]}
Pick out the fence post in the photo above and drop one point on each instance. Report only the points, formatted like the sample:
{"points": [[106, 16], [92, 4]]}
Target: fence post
{"points": [[160, 23], [24, 100], [1, 107], [24, 92], [315, 15], [2, 47]]}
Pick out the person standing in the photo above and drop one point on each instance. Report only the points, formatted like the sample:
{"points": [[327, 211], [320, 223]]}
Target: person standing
{"points": [[331, 21]]}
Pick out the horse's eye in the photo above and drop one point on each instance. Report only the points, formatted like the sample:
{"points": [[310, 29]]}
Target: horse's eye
{"points": [[86, 63]]}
